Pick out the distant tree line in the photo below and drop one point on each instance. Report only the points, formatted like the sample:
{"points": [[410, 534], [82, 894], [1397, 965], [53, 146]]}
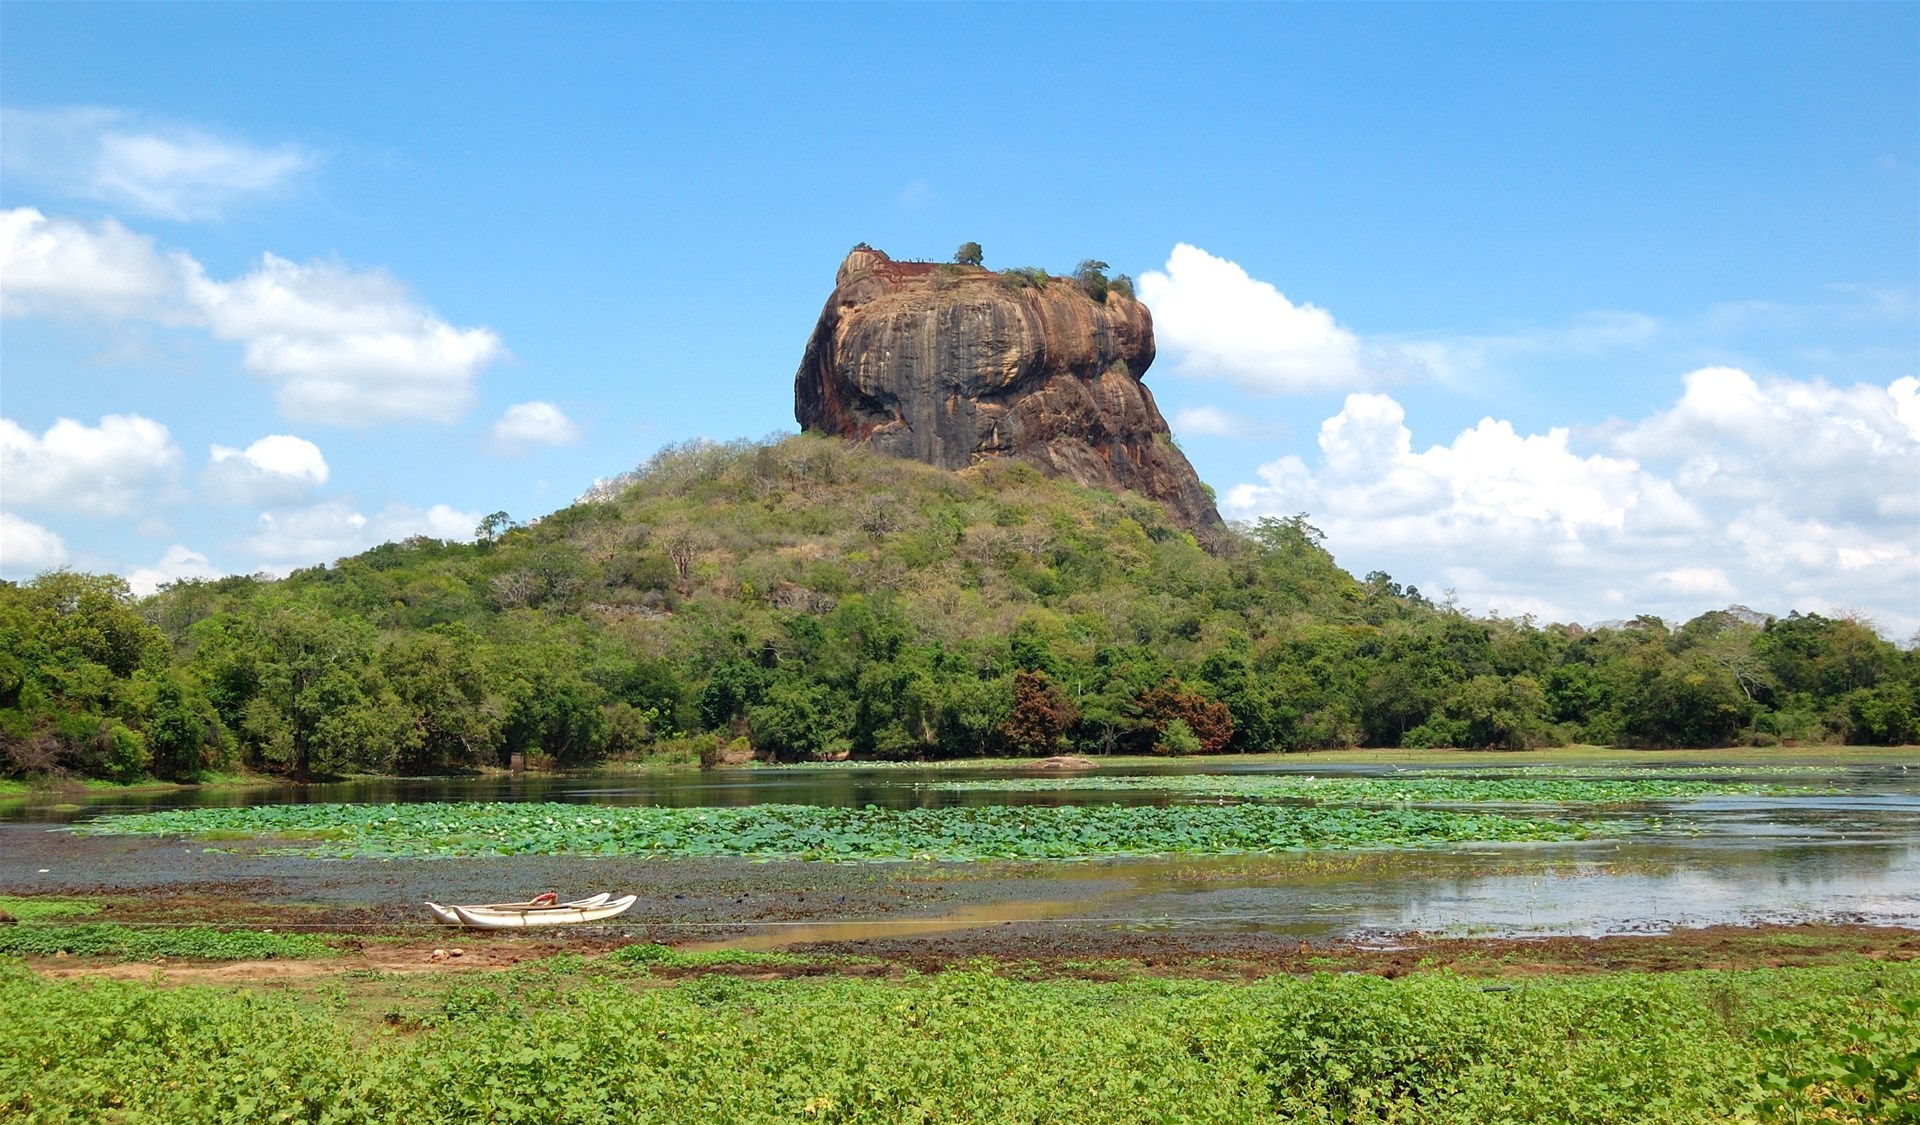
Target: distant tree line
{"points": [[808, 600]]}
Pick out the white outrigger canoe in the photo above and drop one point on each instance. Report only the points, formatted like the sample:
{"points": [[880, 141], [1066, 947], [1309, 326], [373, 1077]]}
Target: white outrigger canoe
{"points": [[513, 915]]}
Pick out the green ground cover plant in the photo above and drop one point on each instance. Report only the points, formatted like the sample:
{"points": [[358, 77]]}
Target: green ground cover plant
{"points": [[130, 943], [1350, 789], [814, 832], [34, 908], [651, 954], [578, 1047]]}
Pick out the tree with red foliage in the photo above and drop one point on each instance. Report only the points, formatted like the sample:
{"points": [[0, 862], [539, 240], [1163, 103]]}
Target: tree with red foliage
{"points": [[1041, 714], [1208, 719]]}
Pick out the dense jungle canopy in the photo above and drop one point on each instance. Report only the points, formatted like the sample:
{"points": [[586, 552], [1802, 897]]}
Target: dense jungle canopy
{"points": [[814, 600]]}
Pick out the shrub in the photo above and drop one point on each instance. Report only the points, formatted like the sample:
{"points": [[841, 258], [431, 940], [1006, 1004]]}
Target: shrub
{"points": [[1092, 276], [1177, 740]]}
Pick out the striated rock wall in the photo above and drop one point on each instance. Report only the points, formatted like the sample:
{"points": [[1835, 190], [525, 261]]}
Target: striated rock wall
{"points": [[950, 364]]}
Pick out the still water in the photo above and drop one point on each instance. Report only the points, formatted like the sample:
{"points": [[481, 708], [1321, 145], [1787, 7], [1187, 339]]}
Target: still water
{"points": [[1852, 855]]}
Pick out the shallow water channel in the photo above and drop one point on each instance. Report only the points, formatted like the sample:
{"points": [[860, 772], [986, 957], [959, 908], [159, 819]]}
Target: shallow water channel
{"points": [[1850, 856]]}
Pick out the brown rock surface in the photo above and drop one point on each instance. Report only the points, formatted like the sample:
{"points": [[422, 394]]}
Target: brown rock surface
{"points": [[952, 364]]}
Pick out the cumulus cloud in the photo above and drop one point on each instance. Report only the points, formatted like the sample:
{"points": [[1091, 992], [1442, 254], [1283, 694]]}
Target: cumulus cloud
{"points": [[288, 538], [1782, 494], [160, 169], [342, 346], [26, 548], [177, 563], [276, 469], [1213, 321], [349, 347], [106, 470], [63, 268], [1809, 448], [535, 423]]}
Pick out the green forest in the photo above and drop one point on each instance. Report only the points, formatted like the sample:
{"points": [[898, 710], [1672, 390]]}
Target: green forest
{"points": [[807, 600]]}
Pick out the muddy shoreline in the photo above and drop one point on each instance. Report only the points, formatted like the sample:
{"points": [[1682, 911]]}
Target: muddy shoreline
{"points": [[1053, 919], [1058, 955]]}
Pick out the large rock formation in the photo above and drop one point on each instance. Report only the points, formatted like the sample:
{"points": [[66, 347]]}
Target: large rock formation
{"points": [[951, 364]]}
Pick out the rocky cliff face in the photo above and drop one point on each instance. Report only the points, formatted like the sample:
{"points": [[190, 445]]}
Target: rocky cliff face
{"points": [[952, 364]]}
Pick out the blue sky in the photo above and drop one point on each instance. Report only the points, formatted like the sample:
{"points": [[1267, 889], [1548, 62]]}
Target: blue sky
{"points": [[1582, 311]]}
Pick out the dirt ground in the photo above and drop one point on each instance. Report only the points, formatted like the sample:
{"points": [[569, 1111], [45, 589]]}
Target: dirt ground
{"points": [[1057, 955]]}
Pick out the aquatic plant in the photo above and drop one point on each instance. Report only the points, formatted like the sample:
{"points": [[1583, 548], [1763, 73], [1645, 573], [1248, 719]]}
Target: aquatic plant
{"points": [[814, 832], [1409, 788]]}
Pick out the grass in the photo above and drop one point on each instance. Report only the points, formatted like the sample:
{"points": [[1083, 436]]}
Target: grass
{"points": [[35, 908], [199, 943], [814, 832], [651, 954], [569, 1043]]}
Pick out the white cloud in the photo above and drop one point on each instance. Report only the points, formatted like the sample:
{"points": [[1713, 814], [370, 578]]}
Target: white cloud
{"points": [[105, 470], [1809, 448], [1210, 420], [1780, 494], [63, 268], [164, 170], [276, 469], [535, 423], [320, 533], [343, 346], [347, 347], [1213, 321], [178, 562], [26, 548]]}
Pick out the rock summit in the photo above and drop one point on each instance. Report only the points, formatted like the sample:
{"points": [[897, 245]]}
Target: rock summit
{"points": [[952, 364]]}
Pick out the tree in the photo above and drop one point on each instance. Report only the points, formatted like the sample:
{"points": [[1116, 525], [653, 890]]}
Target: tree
{"points": [[1041, 714], [1209, 722], [969, 254], [1092, 276], [798, 722], [438, 678], [492, 528], [180, 729], [1501, 713], [311, 667], [1685, 701]]}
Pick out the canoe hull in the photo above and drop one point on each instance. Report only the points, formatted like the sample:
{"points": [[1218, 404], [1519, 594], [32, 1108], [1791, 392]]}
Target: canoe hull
{"points": [[448, 915], [480, 917]]}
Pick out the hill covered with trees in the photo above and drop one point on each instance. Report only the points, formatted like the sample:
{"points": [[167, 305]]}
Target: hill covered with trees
{"points": [[814, 599]]}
